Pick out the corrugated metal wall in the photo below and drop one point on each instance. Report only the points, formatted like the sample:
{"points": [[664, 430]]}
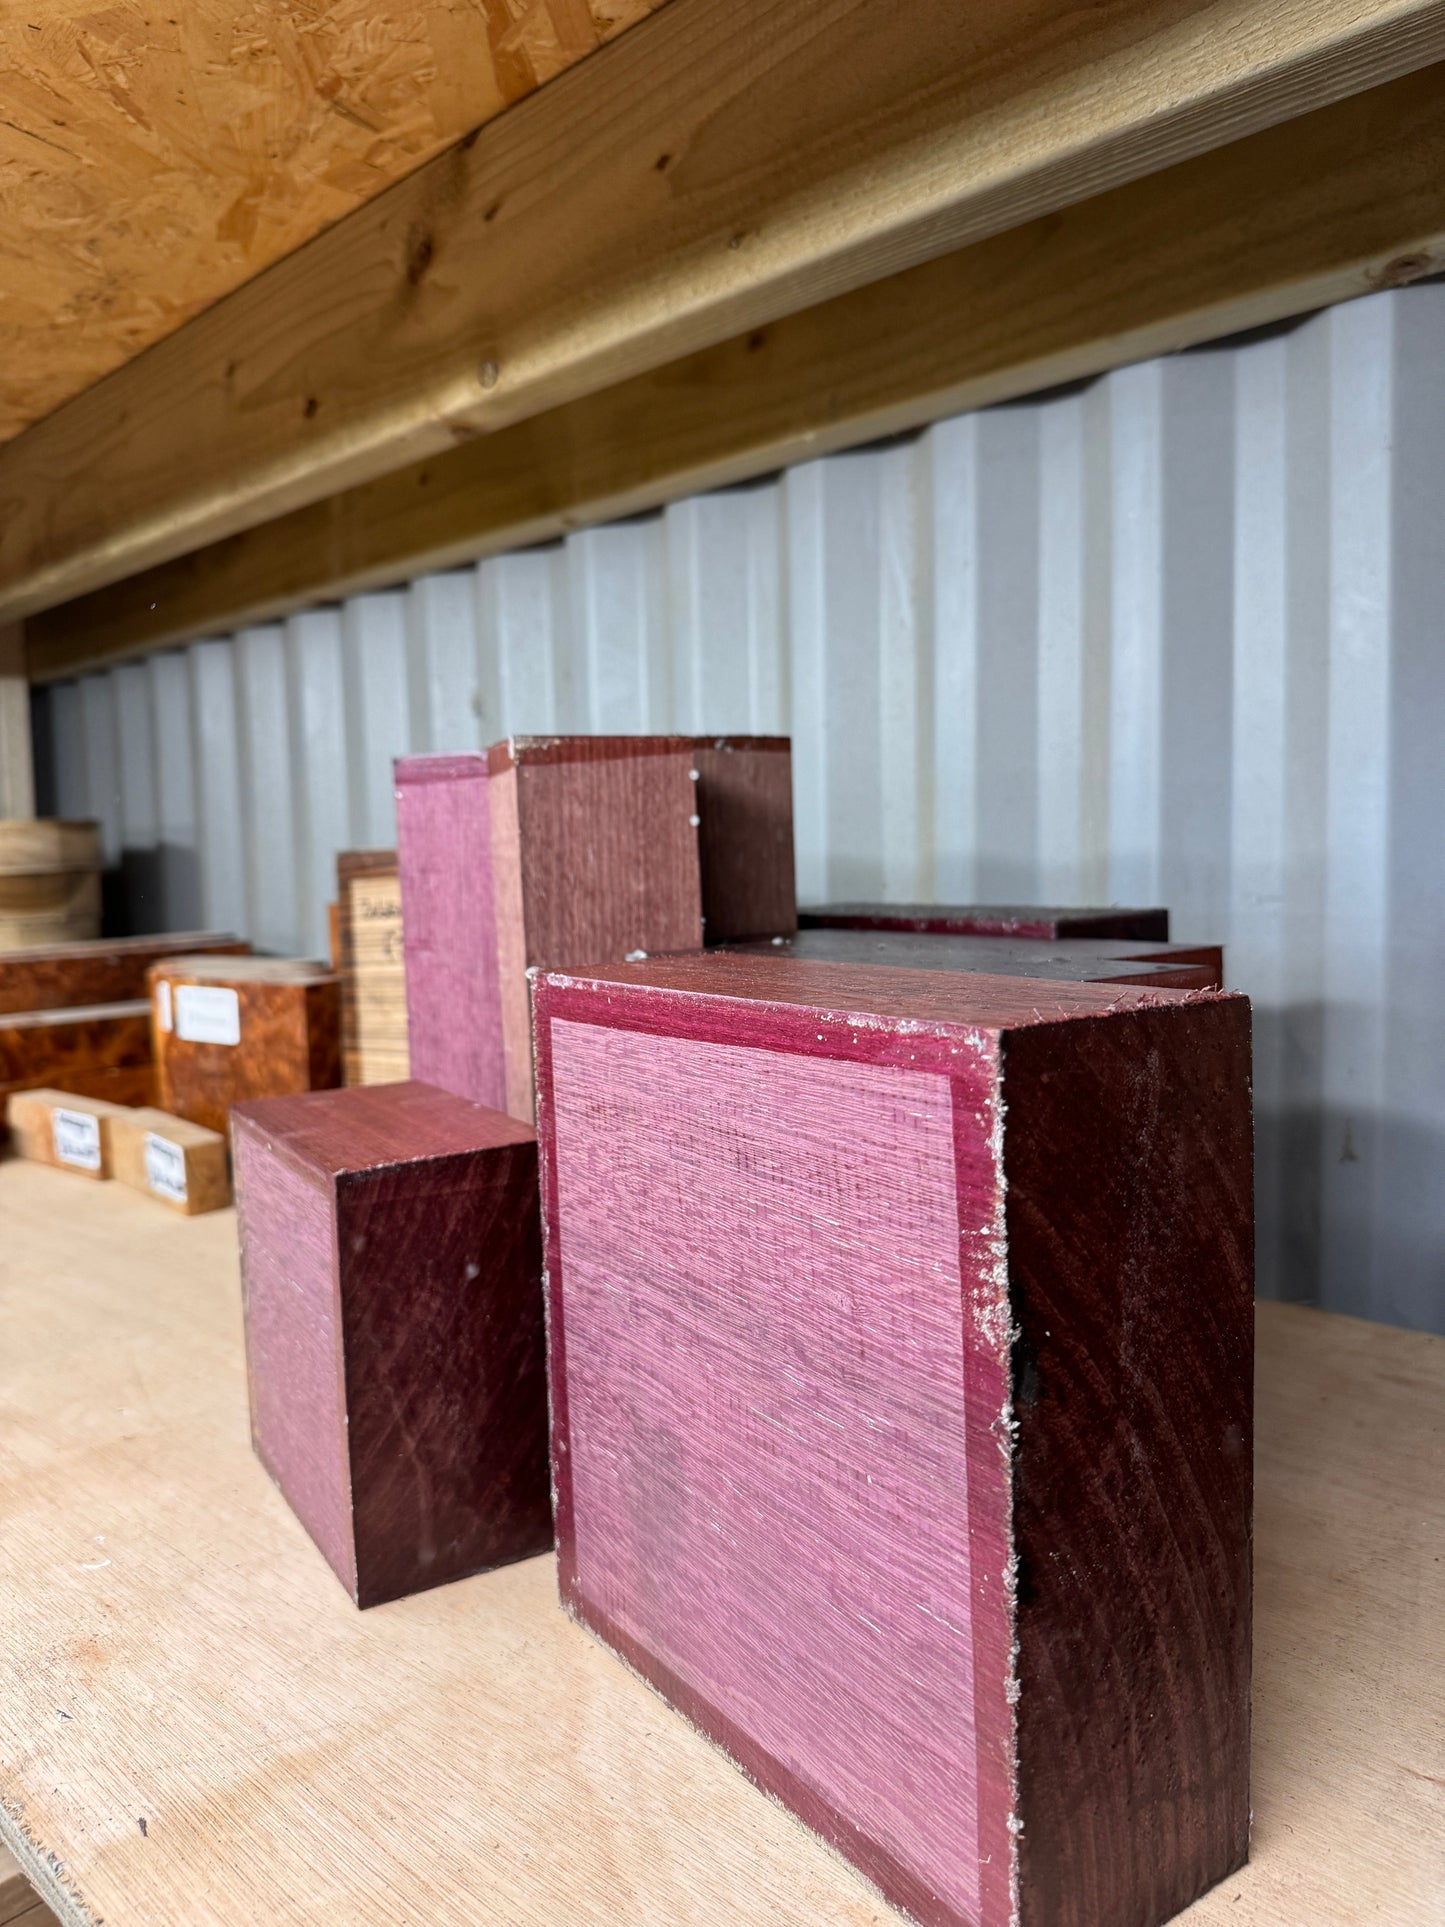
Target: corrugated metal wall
{"points": [[1174, 636]]}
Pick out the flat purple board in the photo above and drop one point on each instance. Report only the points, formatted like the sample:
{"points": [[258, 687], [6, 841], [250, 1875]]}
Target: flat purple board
{"points": [[449, 938], [293, 1346]]}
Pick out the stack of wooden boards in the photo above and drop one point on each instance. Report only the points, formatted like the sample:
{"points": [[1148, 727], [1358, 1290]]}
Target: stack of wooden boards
{"points": [[898, 1327], [76, 1016], [49, 881]]}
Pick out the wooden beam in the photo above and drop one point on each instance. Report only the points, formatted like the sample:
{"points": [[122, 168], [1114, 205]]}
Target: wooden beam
{"points": [[126, 212], [1345, 200], [17, 772], [724, 163]]}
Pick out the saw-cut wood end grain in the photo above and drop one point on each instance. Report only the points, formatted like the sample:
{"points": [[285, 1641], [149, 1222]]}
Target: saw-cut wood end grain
{"points": [[391, 1267], [813, 1419]]}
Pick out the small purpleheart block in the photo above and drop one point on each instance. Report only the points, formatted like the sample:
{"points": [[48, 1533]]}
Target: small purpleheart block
{"points": [[901, 1334], [391, 1273]]}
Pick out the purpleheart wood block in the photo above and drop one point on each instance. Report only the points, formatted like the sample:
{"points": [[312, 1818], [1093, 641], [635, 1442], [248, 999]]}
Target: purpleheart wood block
{"points": [[1034, 920], [901, 1361], [449, 936], [1096, 960], [391, 1269]]}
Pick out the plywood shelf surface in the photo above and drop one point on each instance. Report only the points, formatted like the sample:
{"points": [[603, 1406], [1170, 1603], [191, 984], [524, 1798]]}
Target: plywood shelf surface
{"points": [[174, 1651]]}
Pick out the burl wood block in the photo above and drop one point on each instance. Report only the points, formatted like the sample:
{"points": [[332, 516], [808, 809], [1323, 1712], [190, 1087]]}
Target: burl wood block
{"points": [[183, 1164], [901, 1346], [391, 1269], [371, 967], [745, 836], [1039, 921], [449, 926], [107, 971], [73, 1133], [1094, 960], [230, 1028], [100, 1050]]}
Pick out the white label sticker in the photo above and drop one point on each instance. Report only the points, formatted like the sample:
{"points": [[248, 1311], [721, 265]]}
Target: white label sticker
{"points": [[207, 1014], [77, 1138], [163, 1003], [165, 1168]]}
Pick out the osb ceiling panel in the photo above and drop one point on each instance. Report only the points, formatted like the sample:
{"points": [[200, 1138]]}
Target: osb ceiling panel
{"points": [[154, 156]]}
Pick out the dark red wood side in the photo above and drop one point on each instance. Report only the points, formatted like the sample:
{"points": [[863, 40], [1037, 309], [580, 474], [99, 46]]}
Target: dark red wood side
{"points": [[1128, 1160], [447, 1372], [595, 858], [745, 836]]}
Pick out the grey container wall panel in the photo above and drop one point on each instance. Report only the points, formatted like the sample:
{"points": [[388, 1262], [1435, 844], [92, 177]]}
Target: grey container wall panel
{"points": [[1173, 635]]}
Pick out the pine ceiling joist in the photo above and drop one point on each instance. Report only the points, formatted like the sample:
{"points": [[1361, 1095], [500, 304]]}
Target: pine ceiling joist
{"points": [[723, 164], [153, 158], [1338, 203]]}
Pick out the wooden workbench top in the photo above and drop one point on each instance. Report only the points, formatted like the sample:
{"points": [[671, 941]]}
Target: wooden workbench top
{"points": [[196, 1726]]}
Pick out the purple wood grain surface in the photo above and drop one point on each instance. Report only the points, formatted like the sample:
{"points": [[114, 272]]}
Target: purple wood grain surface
{"points": [[1026, 920], [797, 1448], [444, 856], [422, 1208], [753, 1446], [1128, 1168], [293, 1341]]}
